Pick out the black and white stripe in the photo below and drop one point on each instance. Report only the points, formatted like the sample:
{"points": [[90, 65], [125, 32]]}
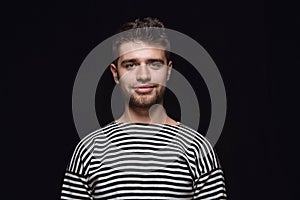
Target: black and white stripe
{"points": [[144, 161]]}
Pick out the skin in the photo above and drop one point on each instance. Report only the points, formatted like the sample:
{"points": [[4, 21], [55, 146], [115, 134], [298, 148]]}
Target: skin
{"points": [[142, 72]]}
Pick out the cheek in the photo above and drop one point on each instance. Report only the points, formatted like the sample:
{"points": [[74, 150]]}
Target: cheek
{"points": [[126, 78], [159, 78]]}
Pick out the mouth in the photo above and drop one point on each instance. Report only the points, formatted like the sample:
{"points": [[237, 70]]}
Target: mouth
{"points": [[143, 89]]}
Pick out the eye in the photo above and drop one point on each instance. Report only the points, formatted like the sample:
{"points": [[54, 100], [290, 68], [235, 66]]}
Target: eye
{"points": [[130, 66], [156, 65]]}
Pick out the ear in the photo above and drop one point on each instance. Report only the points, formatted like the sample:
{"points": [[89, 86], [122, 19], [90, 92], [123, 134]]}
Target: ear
{"points": [[170, 65], [114, 72]]}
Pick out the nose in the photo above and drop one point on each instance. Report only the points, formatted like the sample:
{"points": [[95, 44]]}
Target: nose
{"points": [[143, 73]]}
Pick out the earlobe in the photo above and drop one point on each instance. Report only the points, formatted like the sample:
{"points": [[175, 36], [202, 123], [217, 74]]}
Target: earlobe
{"points": [[169, 70], [114, 72]]}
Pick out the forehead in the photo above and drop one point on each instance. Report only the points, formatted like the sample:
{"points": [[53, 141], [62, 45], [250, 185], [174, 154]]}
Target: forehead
{"points": [[141, 50]]}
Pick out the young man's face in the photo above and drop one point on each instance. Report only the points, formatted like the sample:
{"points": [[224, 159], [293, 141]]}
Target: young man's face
{"points": [[142, 72]]}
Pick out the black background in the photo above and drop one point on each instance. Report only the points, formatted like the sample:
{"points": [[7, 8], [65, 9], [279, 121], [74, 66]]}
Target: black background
{"points": [[255, 46]]}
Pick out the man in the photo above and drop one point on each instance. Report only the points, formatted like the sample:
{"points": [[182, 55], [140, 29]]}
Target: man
{"points": [[145, 154]]}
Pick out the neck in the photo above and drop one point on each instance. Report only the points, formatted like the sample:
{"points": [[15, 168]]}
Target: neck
{"points": [[155, 114]]}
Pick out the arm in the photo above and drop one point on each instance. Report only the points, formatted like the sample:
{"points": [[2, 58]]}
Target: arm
{"points": [[75, 183], [209, 180], [75, 187], [211, 186]]}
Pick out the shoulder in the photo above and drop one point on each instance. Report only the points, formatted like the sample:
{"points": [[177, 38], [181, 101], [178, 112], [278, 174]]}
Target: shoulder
{"points": [[97, 135], [202, 150], [86, 144], [84, 150], [193, 136]]}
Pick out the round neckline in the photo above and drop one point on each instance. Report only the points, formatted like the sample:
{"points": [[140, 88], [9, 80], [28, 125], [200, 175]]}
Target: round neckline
{"points": [[147, 124]]}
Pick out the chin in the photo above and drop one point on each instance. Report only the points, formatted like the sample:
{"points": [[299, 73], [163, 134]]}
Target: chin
{"points": [[143, 102]]}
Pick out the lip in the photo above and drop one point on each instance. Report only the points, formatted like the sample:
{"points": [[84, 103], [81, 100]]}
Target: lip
{"points": [[143, 88]]}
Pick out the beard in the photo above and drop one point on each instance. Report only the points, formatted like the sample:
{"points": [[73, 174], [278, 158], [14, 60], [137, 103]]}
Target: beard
{"points": [[146, 100]]}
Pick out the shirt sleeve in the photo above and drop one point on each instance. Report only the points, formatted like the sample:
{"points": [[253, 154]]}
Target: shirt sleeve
{"points": [[211, 186], [75, 184], [75, 187], [209, 183]]}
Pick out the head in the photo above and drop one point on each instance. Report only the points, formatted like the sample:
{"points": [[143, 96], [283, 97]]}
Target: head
{"points": [[143, 64], [148, 30]]}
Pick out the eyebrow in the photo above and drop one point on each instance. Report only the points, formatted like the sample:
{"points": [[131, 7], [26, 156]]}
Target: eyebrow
{"points": [[152, 60], [128, 61]]}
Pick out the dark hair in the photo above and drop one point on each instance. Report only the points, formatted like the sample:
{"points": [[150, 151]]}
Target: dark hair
{"points": [[149, 30]]}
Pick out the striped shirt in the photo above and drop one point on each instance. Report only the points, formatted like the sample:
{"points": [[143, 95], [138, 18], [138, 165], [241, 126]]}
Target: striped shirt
{"points": [[143, 161]]}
